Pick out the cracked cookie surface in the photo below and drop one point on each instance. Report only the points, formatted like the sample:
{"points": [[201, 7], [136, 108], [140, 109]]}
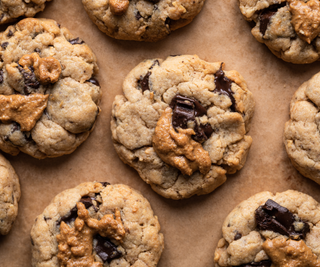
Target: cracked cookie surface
{"points": [[270, 230], [290, 28], [210, 108], [97, 223], [9, 195], [302, 131], [11, 10], [39, 57], [141, 20]]}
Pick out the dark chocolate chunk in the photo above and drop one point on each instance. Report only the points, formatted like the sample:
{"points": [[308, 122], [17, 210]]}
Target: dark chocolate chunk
{"points": [[184, 110], [30, 80], [223, 87], [266, 15], [265, 263], [2, 16], [94, 81], [144, 81], [154, 1], [271, 216], [237, 236], [4, 45], [105, 249], [138, 15], [105, 184], [87, 201], [76, 41], [37, 50], [1, 76], [167, 21], [10, 33]]}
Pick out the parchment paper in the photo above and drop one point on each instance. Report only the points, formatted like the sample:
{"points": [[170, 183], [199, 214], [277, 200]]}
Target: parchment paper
{"points": [[191, 227]]}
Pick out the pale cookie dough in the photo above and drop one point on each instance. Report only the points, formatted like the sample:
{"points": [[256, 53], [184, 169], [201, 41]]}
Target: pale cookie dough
{"points": [[48, 94], [290, 28], [141, 20], [13, 9], [180, 156], [9, 195], [97, 224], [271, 230], [302, 131]]}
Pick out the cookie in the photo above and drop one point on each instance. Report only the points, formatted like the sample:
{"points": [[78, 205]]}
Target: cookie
{"points": [[301, 133], [9, 195], [97, 224], [141, 20], [11, 10], [48, 94], [182, 124], [290, 28], [268, 229]]}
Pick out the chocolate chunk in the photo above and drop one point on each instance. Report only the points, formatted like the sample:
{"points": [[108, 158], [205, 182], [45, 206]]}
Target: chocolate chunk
{"points": [[223, 87], [37, 50], [76, 41], [87, 201], [184, 110], [105, 249], [4, 45], [167, 21], [265, 263], [105, 184], [271, 216], [2, 16], [10, 33], [30, 80], [1, 76], [144, 81], [138, 15], [237, 236], [94, 81], [154, 1], [266, 15]]}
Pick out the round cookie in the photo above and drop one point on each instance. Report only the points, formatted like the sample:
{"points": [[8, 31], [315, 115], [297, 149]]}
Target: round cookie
{"points": [[97, 224], [48, 96], [301, 133], [141, 20], [11, 10], [269, 230], [290, 28], [182, 124], [9, 195]]}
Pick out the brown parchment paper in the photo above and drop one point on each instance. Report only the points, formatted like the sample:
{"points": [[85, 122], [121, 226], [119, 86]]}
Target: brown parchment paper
{"points": [[191, 227]]}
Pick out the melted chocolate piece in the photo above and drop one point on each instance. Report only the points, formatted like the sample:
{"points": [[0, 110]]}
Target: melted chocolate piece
{"points": [[76, 41], [223, 87], [93, 81], [266, 15], [105, 249], [144, 81], [186, 110], [4, 45], [271, 216], [10, 33], [30, 80], [265, 263]]}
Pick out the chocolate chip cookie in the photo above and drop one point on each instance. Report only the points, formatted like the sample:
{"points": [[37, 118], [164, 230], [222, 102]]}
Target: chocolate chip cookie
{"points": [[9, 195], [97, 224], [271, 230], [301, 133], [182, 124], [141, 20], [48, 94], [290, 28], [11, 10]]}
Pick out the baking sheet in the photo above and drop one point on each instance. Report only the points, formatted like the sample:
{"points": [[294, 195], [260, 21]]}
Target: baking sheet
{"points": [[191, 227]]}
